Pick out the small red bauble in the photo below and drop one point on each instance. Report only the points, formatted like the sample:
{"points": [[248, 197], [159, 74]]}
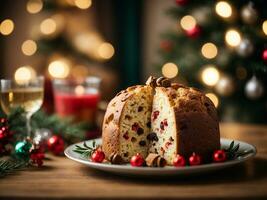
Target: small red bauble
{"points": [[37, 157], [194, 159], [179, 161], [56, 144], [219, 156], [194, 32], [98, 156], [181, 2], [137, 160], [264, 55]]}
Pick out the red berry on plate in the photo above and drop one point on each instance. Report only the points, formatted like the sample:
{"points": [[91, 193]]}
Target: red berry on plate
{"points": [[137, 160], [98, 156], [194, 159], [219, 156], [179, 161]]}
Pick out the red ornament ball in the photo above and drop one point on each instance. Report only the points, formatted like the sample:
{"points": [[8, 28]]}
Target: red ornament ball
{"points": [[37, 156], [179, 161], [3, 121], [181, 2], [56, 144], [219, 156], [264, 55], [194, 32], [137, 160], [98, 156], [195, 159]]}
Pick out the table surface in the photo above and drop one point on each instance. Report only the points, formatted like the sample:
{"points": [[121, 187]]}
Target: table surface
{"points": [[62, 178]]}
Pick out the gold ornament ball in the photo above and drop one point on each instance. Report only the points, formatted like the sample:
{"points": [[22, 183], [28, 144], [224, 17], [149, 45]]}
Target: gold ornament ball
{"points": [[225, 86], [249, 14]]}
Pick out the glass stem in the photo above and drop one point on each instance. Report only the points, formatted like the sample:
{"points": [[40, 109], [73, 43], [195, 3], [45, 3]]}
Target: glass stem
{"points": [[28, 125]]}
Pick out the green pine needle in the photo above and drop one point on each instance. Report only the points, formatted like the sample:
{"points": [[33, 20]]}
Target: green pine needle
{"points": [[8, 166]]}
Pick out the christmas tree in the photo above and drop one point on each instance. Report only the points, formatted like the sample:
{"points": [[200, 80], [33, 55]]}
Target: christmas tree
{"points": [[219, 47]]}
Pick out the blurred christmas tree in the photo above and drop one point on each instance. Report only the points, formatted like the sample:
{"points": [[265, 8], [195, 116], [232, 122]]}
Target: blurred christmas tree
{"points": [[220, 47]]}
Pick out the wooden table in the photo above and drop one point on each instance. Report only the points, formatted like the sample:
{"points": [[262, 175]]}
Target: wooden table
{"points": [[62, 178]]}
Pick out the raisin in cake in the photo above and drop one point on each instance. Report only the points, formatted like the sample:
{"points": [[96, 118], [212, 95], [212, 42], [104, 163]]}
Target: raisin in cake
{"points": [[183, 121], [127, 123]]}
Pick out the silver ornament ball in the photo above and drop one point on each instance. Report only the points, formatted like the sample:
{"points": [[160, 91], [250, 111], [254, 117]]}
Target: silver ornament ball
{"points": [[254, 88], [41, 135], [245, 48], [249, 14], [225, 86]]}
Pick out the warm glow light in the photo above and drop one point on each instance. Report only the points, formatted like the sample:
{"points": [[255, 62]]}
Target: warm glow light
{"points": [[209, 50], [59, 69], [24, 74], [34, 6], [223, 9], [48, 26], [6, 27], [264, 27], [232, 38], [210, 76], [83, 4], [213, 98], [29, 47], [188, 22], [169, 70], [79, 90], [106, 50]]}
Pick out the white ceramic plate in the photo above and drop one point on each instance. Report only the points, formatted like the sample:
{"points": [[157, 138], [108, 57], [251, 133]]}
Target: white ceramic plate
{"points": [[127, 169]]}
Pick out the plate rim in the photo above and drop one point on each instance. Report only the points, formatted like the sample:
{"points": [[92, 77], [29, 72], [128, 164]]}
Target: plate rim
{"points": [[102, 166]]}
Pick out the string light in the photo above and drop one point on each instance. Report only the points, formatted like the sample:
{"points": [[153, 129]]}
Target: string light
{"points": [[106, 50], [34, 6], [59, 68], [209, 50], [83, 4], [264, 27], [7, 27], [188, 22], [29, 47], [24, 74], [223, 9], [48, 26], [210, 75], [169, 70], [232, 38], [213, 98]]}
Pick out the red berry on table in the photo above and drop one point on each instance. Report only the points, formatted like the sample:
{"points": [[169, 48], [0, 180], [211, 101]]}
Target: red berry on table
{"points": [[56, 144], [137, 160], [195, 159], [179, 161], [98, 156], [219, 156]]}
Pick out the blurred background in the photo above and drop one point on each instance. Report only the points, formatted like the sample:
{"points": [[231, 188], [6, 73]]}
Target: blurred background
{"points": [[217, 46]]}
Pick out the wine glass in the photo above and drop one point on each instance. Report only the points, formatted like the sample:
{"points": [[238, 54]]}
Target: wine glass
{"points": [[26, 94]]}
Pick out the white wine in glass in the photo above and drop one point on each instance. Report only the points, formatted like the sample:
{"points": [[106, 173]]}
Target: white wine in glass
{"points": [[28, 96]]}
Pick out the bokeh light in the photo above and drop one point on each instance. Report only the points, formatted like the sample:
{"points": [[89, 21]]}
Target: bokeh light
{"points": [[223, 9], [48, 26], [106, 50], [264, 27], [210, 75], [7, 27], [34, 6], [213, 98], [24, 74], [79, 90], [29, 47], [209, 50], [169, 70], [59, 68], [188, 22], [83, 4], [232, 38]]}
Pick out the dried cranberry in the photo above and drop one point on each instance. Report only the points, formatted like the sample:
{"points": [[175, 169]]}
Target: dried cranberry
{"points": [[162, 150], [140, 108], [161, 125], [126, 136], [133, 139], [167, 144], [155, 115], [140, 131], [142, 143], [165, 122], [135, 126]]}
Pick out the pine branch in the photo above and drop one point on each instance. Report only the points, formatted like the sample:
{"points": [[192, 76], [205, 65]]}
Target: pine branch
{"points": [[10, 165], [85, 150]]}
